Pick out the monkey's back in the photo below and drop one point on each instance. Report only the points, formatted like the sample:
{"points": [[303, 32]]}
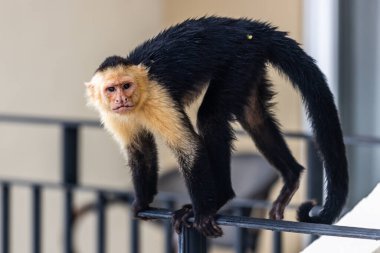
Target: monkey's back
{"points": [[191, 52]]}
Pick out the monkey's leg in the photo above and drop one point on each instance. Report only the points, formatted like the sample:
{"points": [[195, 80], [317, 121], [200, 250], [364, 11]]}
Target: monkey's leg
{"points": [[214, 127], [258, 121], [142, 159]]}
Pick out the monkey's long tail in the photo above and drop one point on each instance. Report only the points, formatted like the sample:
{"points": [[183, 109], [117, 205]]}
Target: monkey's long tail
{"points": [[302, 71]]}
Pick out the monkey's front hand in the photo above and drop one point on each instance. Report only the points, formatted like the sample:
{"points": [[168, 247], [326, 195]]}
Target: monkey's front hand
{"points": [[181, 216], [205, 224]]}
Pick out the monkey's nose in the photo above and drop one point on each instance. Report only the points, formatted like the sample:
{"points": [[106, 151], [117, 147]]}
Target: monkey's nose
{"points": [[119, 100]]}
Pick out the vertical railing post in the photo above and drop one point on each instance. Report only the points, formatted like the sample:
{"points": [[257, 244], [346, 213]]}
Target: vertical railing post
{"points": [[241, 233], [134, 234], [36, 219], [190, 241], [70, 154], [101, 226], [5, 218], [169, 229], [277, 242], [69, 178]]}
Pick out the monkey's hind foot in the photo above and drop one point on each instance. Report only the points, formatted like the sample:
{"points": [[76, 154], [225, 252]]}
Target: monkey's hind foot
{"points": [[205, 224], [286, 194], [277, 211], [138, 207]]}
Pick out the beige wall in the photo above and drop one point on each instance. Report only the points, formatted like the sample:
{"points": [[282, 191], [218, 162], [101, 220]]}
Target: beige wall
{"points": [[49, 48]]}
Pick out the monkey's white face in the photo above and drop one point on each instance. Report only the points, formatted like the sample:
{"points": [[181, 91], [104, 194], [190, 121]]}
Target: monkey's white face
{"points": [[118, 93], [115, 90]]}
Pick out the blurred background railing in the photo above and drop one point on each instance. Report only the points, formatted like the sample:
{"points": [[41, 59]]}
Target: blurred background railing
{"points": [[234, 215]]}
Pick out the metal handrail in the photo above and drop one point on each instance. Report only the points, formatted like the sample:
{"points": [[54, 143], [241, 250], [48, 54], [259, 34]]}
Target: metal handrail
{"points": [[243, 222], [69, 184]]}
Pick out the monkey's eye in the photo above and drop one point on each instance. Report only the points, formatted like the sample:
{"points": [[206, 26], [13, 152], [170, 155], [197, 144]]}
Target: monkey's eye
{"points": [[126, 86], [110, 89]]}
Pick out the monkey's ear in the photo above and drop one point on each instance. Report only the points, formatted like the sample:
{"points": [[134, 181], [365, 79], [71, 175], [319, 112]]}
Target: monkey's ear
{"points": [[90, 90], [143, 67], [89, 84]]}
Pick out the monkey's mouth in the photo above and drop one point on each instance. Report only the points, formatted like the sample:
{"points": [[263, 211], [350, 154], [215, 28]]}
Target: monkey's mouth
{"points": [[122, 108]]}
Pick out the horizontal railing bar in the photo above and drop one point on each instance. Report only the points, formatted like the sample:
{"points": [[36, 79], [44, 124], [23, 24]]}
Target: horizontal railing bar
{"points": [[156, 213], [279, 225], [162, 196], [300, 227], [47, 120], [361, 140], [349, 140], [52, 185]]}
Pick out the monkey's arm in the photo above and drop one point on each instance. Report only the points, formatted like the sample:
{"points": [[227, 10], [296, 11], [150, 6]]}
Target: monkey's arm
{"points": [[176, 129], [200, 183], [142, 159]]}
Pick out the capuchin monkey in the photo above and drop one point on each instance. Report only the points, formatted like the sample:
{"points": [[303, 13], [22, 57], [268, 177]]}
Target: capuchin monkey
{"points": [[145, 94]]}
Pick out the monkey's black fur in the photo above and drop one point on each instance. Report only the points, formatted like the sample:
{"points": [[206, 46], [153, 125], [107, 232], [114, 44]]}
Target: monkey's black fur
{"points": [[232, 54]]}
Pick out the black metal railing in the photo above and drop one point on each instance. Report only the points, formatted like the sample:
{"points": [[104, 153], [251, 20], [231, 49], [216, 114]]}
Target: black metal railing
{"points": [[189, 240]]}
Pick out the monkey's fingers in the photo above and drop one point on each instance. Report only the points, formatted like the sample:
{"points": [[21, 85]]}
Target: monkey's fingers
{"points": [[181, 216], [178, 222]]}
